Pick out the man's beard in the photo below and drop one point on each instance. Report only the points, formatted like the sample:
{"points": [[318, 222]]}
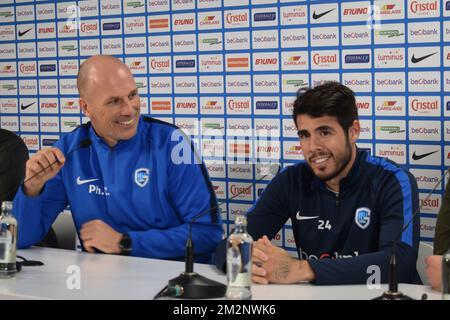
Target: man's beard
{"points": [[341, 163]]}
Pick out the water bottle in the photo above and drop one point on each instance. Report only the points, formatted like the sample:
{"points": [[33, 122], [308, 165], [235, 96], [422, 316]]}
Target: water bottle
{"points": [[8, 241], [446, 276], [239, 262]]}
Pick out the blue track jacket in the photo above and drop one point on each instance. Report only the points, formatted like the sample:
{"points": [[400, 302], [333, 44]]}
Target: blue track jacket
{"points": [[134, 187], [341, 235]]}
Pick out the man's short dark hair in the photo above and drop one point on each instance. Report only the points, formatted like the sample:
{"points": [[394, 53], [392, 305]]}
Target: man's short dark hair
{"points": [[329, 99]]}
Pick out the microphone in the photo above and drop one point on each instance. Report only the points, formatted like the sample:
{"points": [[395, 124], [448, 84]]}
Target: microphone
{"points": [[191, 285], [86, 143], [392, 293]]}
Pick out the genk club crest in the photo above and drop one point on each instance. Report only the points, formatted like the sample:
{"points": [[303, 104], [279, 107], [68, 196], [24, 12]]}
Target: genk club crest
{"points": [[362, 217], [142, 176]]}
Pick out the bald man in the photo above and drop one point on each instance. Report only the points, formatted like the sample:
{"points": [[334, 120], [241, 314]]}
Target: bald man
{"points": [[128, 192]]}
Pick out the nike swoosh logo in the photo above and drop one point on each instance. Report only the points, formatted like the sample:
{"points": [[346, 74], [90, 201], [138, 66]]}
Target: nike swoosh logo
{"points": [[320, 15], [299, 217], [417, 60], [421, 156], [80, 182], [23, 107], [25, 32]]}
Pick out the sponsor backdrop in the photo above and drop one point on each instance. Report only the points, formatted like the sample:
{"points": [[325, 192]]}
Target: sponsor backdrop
{"points": [[226, 72]]}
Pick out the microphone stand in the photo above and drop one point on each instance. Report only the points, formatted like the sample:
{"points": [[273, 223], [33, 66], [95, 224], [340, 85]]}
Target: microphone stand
{"points": [[392, 293], [189, 284]]}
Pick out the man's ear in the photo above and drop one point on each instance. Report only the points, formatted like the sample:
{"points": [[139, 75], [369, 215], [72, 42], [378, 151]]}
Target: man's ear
{"points": [[354, 131], [84, 107]]}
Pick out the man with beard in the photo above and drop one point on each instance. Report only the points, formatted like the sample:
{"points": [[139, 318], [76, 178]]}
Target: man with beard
{"points": [[347, 207]]}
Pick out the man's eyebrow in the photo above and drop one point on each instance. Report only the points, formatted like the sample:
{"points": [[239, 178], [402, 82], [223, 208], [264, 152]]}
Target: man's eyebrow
{"points": [[322, 128]]}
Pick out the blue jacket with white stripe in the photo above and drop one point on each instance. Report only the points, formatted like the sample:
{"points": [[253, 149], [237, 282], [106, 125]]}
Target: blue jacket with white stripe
{"points": [[344, 236], [135, 187]]}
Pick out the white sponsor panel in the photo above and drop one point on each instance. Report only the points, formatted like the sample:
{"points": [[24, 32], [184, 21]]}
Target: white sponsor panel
{"points": [[237, 62], [243, 189], [160, 85], [389, 33], [46, 30], [90, 47], [266, 105], [183, 22], [446, 31], [9, 105], [48, 105], [266, 83], [232, 3], [291, 83], [69, 105], [111, 7], [419, 32], [430, 205], [209, 20], [294, 38], [159, 44], [424, 81], [389, 9], [389, 58], [137, 65], [357, 59], [427, 227], [239, 40], [236, 209], [289, 129], [111, 27], [446, 55], [265, 61], [446, 106], [390, 129], [8, 51], [239, 148], [446, 81], [112, 46], [366, 132], [186, 105], [89, 28], [219, 188], [425, 130], [268, 149], [355, 35], [358, 82], [424, 106], [355, 11], [7, 14], [8, 69], [135, 45], [265, 17], [185, 85], [294, 60], [390, 82], [430, 155], [66, 30], [184, 42], [210, 63], [292, 151], [134, 6], [324, 13], [289, 239], [318, 79], [324, 37], [447, 153], [185, 64], [288, 105], [390, 106], [25, 13], [47, 49], [26, 50], [212, 105], [394, 152], [10, 123], [211, 84], [28, 87], [26, 32], [239, 105], [265, 39], [236, 19], [48, 87], [161, 105], [364, 105], [238, 83], [267, 128], [69, 124], [68, 86], [29, 124], [133, 25], [293, 15], [216, 169], [158, 5], [238, 127], [210, 41], [426, 178], [8, 87], [27, 68], [203, 4], [190, 126], [31, 141], [183, 4], [8, 33], [28, 105], [423, 9], [325, 59], [421, 57], [240, 171]]}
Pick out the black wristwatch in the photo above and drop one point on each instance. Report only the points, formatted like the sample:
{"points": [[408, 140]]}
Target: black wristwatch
{"points": [[125, 244]]}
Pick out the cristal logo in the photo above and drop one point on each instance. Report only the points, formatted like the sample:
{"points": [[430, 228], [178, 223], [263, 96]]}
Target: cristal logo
{"points": [[89, 27], [236, 18], [430, 203], [183, 22], [30, 141], [355, 11], [245, 191], [27, 68], [417, 7], [238, 105], [324, 59], [266, 61], [46, 30], [156, 64], [418, 105]]}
